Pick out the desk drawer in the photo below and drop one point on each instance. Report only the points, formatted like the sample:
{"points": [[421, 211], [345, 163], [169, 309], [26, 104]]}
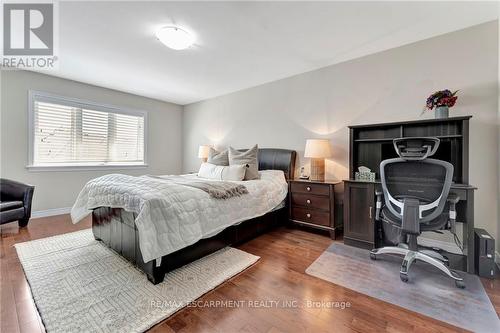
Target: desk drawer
{"points": [[310, 200], [318, 189], [311, 216]]}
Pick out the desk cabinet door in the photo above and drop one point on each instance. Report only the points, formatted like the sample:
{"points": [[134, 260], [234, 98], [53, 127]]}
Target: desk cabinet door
{"points": [[359, 211]]}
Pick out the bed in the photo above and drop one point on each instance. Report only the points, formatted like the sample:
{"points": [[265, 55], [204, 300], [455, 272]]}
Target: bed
{"points": [[116, 227]]}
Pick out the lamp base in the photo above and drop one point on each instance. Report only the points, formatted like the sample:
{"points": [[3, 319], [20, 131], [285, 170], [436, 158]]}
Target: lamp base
{"points": [[318, 169]]}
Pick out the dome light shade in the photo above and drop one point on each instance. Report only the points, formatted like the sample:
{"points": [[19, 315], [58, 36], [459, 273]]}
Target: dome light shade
{"points": [[175, 38]]}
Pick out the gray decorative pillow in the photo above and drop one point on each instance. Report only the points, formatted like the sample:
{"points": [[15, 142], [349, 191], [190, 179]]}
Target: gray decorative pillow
{"points": [[218, 157], [248, 158]]}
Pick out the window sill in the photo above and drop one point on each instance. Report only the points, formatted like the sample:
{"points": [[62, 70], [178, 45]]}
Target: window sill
{"points": [[36, 168]]}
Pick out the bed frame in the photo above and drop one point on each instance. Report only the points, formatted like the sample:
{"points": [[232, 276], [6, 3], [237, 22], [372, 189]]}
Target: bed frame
{"points": [[115, 227]]}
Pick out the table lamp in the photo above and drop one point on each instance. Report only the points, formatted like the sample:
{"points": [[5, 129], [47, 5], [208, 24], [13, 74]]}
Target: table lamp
{"points": [[317, 150], [203, 152]]}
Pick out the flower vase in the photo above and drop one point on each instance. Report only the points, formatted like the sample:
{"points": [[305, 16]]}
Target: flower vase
{"points": [[441, 112]]}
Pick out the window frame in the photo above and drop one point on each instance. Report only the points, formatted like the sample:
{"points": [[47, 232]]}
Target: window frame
{"points": [[35, 95]]}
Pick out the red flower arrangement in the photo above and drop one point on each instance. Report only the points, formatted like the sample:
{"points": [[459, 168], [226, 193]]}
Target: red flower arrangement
{"points": [[441, 98]]}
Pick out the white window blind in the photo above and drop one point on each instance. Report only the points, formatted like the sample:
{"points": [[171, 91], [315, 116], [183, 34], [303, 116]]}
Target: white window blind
{"points": [[67, 132]]}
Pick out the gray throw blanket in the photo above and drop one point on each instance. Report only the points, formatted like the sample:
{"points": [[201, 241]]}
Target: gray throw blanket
{"points": [[216, 189]]}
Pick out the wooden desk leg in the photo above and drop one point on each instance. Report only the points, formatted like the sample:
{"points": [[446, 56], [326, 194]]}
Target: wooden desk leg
{"points": [[469, 233]]}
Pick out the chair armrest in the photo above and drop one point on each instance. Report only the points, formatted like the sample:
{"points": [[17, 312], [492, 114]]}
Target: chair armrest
{"points": [[378, 207], [11, 190]]}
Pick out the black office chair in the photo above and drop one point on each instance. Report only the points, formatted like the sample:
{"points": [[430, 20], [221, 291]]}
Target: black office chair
{"points": [[416, 198]]}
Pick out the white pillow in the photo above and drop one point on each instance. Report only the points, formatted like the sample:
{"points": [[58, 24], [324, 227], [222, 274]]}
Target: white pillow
{"points": [[219, 172]]}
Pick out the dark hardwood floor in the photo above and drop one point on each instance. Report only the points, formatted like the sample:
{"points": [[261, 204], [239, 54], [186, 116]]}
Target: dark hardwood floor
{"points": [[278, 276]]}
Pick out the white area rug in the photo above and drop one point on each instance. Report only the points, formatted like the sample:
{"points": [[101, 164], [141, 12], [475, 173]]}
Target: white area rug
{"points": [[80, 285]]}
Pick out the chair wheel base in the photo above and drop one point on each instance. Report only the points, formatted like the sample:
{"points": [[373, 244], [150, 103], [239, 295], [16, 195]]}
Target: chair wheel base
{"points": [[460, 284], [403, 277]]}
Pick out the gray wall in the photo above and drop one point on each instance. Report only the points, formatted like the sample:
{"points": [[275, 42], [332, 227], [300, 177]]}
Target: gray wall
{"points": [[388, 86], [59, 189]]}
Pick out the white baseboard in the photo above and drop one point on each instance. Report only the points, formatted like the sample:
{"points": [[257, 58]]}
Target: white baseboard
{"points": [[50, 212], [447, 246]]}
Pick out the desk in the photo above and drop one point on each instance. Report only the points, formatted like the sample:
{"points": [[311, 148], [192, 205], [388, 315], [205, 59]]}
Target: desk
{"points": [[370, 144], [361, 229]]}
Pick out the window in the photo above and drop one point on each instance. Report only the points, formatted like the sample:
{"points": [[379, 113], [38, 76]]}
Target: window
{"points": [[66, 133]]}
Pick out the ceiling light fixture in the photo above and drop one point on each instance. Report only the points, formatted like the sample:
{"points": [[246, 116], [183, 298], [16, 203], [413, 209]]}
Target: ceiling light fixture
{"points": [[175, 37]]}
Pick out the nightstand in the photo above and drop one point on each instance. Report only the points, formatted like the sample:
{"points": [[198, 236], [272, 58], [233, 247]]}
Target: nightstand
{"points": [[312, 203]]}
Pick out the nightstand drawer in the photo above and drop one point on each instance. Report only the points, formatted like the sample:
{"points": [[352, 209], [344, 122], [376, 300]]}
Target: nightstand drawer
{"points": [[310, 200], [311, 216], [304, 187]]}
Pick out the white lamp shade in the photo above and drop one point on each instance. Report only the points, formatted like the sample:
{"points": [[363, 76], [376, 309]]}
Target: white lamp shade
{"points": [[203, 151], [318, 148]]}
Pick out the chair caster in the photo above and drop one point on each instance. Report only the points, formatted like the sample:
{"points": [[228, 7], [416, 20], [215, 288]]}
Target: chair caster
{"points": [[403, 277], [460, 284], [373, 256]]}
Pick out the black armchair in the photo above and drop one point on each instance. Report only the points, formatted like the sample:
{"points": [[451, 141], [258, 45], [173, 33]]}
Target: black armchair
{"points": [[15, 202]]}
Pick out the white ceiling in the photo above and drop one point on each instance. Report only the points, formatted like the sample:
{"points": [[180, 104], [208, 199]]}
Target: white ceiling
{"points": [[239, 44]]}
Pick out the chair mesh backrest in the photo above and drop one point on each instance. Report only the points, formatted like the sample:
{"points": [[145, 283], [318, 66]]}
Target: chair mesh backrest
{"points": [[415, 179], [425, 180]]}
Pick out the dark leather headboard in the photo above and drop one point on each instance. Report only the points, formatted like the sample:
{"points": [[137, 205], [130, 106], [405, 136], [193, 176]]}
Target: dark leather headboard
{"points": [[278, 159]]}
